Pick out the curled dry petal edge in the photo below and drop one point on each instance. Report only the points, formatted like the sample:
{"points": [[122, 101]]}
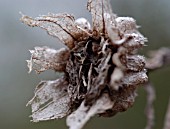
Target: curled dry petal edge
{"points": [[45, 58]]}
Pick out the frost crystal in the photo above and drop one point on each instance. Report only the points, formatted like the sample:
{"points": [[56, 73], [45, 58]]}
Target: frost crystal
{"points": [[101, 67]]}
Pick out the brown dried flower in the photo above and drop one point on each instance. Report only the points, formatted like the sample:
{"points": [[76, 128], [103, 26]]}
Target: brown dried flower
{"points": [[100, 64]]}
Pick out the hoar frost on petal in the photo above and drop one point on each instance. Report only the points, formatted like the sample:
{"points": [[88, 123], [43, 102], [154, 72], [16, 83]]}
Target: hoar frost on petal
{"points": [[101, 14], [62, 26], [51, 100], [44, 58], [102, 69], [126, 24]]}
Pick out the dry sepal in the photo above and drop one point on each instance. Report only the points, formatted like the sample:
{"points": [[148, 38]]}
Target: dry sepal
{"points": [[101, 67]]}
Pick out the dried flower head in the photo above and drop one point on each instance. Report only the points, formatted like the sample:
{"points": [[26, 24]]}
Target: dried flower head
{"points": [[101, 67]]}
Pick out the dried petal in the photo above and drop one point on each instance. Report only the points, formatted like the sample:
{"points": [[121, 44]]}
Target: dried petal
{"points": [[134, 78], [125, 32], [101, 15], [44, 58], [61, 26], [129, 79], [124, 98], [135, 41], [126, 24], [79, 117], [133, 62], [51, 100]]}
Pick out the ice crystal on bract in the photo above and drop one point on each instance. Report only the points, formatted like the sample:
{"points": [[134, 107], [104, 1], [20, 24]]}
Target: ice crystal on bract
{"points": [[101, 67]]}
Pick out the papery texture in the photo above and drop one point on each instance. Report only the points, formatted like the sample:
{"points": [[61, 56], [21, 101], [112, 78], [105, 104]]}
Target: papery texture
{"points": [[101, 66], [61, 26], [44, 58], [51, 100]]}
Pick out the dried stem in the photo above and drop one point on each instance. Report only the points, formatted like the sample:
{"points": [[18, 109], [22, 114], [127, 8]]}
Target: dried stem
{"points": [[149, 111], [158, 59], [167, 118]]}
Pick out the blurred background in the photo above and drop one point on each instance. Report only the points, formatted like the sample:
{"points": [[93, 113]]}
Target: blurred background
{"points": [[17, 86]]}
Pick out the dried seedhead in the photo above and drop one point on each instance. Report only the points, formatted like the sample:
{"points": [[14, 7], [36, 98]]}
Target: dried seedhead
{"points": [[101, 67]]}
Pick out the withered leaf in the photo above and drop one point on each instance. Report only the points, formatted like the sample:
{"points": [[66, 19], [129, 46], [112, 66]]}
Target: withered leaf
{"points": [[62, 26], [79, 117], [51, 100], [44, 58]]}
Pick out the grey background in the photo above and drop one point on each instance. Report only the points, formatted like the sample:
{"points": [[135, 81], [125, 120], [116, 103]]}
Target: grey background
{"points": [[17, 86]]}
